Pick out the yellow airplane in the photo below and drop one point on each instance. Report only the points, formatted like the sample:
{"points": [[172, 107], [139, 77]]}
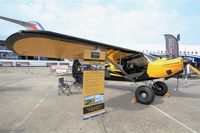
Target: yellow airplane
{"points": [[123, 64]]}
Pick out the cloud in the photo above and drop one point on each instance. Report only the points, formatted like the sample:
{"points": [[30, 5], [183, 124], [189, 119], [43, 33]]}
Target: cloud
{"points": [[138, 22]]}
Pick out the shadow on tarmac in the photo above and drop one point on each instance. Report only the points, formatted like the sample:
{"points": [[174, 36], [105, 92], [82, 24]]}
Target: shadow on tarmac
{"points": [[185, 94], [184, 88], [7, 89], [188, 85], [183, 84], [123, 102]]}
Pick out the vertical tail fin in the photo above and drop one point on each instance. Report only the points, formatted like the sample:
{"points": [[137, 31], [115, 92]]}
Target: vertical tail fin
{"points": [[35, 26]]}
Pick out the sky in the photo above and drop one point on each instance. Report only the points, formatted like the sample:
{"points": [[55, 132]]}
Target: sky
{"points": [[124, 23]]}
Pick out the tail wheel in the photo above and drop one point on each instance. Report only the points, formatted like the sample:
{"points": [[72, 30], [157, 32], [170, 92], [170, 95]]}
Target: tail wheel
{"points": [[144, 94], [160, 88]]}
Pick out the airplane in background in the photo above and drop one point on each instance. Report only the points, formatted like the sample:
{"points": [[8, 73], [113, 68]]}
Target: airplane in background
{"points": [[11, 57], [32, 25], [190, 51]]}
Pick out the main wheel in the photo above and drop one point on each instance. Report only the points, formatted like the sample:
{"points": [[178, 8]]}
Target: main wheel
{"points": [[160, 88], [144, 94], [76, 68]]}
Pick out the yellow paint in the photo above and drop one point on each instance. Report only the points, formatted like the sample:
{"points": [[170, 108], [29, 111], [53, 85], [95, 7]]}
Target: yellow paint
{"points": [[194, 69], [55, 48], [116, 75], [159, 68], [35, 46], [115, 55], [93, 82]]}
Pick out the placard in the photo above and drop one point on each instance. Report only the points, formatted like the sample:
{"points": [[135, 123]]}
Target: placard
{"points": [[93, 83], [59, 70]]}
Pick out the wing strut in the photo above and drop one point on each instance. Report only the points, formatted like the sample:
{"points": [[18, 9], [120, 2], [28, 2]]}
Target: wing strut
{"points": [[120, 68]]}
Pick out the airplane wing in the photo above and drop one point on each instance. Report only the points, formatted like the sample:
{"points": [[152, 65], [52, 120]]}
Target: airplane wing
{"points": [[55, 45]]}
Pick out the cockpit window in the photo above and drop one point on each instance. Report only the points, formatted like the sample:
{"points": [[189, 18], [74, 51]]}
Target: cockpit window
{"points": [[149, 57], [136, 63]]}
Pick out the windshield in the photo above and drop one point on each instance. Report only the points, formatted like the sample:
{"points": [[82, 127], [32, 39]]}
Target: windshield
{"points": [[150, 58]]}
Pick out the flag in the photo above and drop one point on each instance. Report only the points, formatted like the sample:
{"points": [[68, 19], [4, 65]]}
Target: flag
{"points": [[172, 48]]}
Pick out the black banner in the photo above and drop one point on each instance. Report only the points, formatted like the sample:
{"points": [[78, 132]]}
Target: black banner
{"points": [[172, 47], [93, 108]]}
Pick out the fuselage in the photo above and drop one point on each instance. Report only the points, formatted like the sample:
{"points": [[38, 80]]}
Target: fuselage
{"points": [[142, 67]]}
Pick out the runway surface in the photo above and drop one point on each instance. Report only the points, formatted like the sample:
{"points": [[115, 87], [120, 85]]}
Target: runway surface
{"points": [[29, 103]]}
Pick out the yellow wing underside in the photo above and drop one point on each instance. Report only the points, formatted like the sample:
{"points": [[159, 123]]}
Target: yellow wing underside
{"points": [[49, 46]]}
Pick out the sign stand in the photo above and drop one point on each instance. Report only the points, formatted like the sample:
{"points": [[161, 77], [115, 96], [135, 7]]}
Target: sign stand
{"points": [[93, 83]]}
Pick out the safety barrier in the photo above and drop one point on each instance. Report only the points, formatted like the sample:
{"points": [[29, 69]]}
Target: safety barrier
{"points": [[6, 64], [22, 64]]}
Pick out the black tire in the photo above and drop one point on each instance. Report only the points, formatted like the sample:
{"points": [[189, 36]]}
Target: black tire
{"points": [[75, 67], [160, 88], [77, 72], [144, 94]]}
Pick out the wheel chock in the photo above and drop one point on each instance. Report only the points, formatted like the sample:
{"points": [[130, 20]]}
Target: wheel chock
{"points": [[167, 95], [133, 100]]}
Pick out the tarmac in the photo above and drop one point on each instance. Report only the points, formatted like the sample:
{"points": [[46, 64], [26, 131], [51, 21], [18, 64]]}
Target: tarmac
{"points": [[29, 103]]}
